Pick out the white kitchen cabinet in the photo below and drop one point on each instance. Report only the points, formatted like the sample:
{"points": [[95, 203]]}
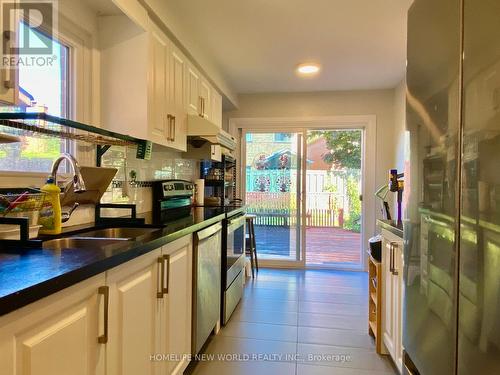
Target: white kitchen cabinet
{"points": [[193, 101], [150, 311], [9, 78], [392, 296], [134, 315], [177, 306], [199, 94], [57, 335], [159, 82], [207, 151], [176, 107], [216, 110], [112, 323], [143, 78], [205, 94]]}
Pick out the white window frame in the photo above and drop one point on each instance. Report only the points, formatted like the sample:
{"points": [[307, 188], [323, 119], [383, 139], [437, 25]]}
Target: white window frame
{"points": [[81, 88]]}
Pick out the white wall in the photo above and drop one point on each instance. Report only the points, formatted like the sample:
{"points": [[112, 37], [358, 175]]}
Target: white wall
{"points": [[399, 125], [380, 103], [377, 102]]}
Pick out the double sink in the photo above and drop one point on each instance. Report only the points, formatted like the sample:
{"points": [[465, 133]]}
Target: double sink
{"points": [[97, 238]]}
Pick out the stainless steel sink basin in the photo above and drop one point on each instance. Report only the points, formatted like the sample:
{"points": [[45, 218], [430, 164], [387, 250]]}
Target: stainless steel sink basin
{"points": [[79, 243], [97, 238], [116, 233]]}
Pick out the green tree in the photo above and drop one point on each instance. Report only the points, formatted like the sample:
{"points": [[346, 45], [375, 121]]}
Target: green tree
{"points": [[344, 147], [353, 221]]}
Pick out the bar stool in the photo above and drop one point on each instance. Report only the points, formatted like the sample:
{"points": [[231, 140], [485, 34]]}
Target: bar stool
{"points": [[251, 247]]}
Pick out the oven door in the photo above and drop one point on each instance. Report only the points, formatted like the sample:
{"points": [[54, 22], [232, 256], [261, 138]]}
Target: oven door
{"points": [[235, 252]]}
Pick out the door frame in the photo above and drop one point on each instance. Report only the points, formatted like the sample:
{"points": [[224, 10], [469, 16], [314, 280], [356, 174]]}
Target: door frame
{"points": [[368, 123], [279, 263]]}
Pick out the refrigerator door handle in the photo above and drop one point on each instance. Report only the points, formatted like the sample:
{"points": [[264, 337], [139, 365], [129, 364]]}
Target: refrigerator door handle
{"points": [[391, 261], [394, 269]]}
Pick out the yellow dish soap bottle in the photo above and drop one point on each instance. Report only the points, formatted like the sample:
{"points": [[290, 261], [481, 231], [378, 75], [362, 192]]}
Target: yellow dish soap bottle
{"points": [[50, 213]]}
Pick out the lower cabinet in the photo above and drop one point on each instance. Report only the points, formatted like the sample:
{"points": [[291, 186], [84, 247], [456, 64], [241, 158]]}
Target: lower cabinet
{"points": [[56, 335], [133, 319], [177, 306], [134, 315], [392, 296]]}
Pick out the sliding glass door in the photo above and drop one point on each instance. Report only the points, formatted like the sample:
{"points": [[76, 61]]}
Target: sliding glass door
{"points": [[273, 177], [333, 216], [304, 187]]}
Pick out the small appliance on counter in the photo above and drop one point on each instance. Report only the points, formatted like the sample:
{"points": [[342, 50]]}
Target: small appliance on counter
{"points": [[396, 185], [172, 199], [220, 181]]}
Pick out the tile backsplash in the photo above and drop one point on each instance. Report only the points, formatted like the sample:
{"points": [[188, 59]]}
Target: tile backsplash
{"points": [[164, 164], [137, 174]]}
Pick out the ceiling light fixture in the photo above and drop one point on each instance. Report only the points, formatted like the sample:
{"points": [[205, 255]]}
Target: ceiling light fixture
{"points": [[308, 69]]}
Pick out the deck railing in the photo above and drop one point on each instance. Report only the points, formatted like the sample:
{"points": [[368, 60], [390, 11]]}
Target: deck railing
{"points": [[280, 209]]}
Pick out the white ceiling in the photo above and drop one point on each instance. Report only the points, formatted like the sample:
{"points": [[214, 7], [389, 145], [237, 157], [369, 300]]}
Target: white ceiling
{"points": [[360, 44]]}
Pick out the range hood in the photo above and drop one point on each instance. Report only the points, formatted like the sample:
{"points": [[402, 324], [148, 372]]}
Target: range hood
{"points": [[199, 128]]}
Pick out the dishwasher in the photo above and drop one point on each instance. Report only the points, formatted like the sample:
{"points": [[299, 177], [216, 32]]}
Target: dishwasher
{"points": [[206, 284]]}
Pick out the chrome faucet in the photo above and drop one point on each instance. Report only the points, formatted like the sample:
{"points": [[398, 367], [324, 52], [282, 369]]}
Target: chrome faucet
{"points": [[78, 183]]}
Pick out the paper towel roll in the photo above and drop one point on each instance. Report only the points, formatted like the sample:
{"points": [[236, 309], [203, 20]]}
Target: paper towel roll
{"points": [[199, 192]]}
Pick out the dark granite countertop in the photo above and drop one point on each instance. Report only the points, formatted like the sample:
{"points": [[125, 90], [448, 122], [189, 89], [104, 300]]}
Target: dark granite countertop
{"points": [[392, 226], [28, 276]]}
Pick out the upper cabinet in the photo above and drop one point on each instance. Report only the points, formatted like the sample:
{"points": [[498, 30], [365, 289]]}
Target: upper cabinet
{"points": [[139, 77], [205, 92], [216, 110], [158, 95], [176, 103], [201, 98], [193, 90], [148, 86]]}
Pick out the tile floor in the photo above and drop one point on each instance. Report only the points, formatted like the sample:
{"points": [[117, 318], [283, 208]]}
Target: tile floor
{"points": [[298, 322]]}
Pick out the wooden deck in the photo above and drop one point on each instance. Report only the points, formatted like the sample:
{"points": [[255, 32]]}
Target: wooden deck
{"points": [[324, 246]]}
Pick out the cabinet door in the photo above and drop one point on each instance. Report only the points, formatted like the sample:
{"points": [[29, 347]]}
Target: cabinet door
{"points": [[193, 95], [215, 153], [177, 82], [216, 108], [388, 314], [9, 78], [158, 88], [398, 287], [177, 107], [205, 98], [178, 256], [56, 335], [134, 316]]}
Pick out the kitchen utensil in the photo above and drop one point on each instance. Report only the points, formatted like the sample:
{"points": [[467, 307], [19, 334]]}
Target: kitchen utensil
{"points": [[199, 191]]}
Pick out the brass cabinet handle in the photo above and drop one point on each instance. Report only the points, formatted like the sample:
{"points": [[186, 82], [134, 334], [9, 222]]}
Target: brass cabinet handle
{"points": [[166, 258], [8, 81], [160, 277], [169, 121], [104, 291], [173, 129]]}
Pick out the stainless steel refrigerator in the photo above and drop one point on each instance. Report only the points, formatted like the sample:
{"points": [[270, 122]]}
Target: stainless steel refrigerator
{"points": [[451, 321]]}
